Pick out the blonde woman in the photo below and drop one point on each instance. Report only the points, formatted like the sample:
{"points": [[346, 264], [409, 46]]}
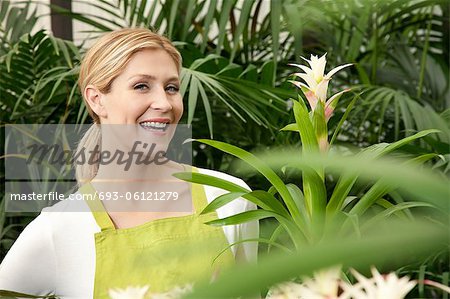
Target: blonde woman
{"points": [[130, 82]]}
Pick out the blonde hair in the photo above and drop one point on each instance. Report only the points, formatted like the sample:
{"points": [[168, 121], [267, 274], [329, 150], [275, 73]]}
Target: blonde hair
{"points": [[101, 64]]}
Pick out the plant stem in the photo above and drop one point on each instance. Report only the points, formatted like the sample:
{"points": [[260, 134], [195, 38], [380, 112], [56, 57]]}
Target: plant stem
{"points": [[424, 57], [375, 48]]}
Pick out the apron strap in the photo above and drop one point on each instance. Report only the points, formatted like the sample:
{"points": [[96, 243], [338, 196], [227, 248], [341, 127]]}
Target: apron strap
{"points": [[198, 197], [197, 192], [101, 216]]}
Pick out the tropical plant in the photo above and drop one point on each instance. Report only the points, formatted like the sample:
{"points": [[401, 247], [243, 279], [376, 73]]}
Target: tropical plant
{"points": [[37, 85], [389, 244], [306, 213], [256, 39], [16, 21], [235, 64]]}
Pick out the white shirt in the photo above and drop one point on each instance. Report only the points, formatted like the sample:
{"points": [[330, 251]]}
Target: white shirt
{"points": [[55, 254]]}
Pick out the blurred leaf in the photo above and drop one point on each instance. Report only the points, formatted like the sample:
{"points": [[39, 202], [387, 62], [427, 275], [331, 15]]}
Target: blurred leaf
{"points": [[350, 252]]}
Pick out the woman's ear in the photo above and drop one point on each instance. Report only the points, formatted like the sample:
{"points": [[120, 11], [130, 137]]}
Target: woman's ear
{"points": [[95, 100]]}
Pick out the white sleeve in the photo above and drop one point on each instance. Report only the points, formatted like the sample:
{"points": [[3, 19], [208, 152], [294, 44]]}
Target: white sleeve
{"points": [[246, 251], [30, 265], [249, 230]]}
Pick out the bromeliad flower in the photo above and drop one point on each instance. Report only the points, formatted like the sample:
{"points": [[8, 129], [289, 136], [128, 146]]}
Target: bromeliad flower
{"points": [[378, 287], [323, 285], [326, 284], [316, 86]]}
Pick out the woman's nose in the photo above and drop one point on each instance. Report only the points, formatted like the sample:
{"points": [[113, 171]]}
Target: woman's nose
{"points": [[160, 100]]}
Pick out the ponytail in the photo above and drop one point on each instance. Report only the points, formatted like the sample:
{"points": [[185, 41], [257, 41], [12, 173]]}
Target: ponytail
{"points": [[85, 172]]}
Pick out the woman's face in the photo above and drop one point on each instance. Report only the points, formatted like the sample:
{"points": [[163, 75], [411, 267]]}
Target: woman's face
{"points": [[146, 93]]}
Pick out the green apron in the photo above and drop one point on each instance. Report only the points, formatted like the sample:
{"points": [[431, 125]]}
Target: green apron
{"points": [[163, 253]]}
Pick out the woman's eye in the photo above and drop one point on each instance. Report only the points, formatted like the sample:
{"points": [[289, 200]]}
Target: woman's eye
{"points": [[141, 86], [172, 88]]}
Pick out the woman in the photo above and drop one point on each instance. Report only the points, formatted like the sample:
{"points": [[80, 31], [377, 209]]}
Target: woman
{"points": [[130, 83]]}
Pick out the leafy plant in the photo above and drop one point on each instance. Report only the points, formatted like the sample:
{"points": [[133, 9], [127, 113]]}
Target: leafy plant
{"points": [[306, 213], [235, 55]]}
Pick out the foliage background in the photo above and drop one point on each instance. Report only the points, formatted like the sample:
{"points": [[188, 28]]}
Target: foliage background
{"points": [[236, 56]]}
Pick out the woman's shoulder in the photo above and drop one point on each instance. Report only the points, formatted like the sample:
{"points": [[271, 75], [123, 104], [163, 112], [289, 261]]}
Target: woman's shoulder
{"points": [[58, 240], [69, 215]]}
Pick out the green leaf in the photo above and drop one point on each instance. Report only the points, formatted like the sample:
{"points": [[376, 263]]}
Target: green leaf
{"points": [[275, 21], [260, 198], [207, 106], [192, 100], [362, 74], [290, 127], [299, 199], [250, 73], [344, 118], [242, 218], [320, 124], [317, 196], [350, 251], [382, 187], [345, 182], [269, 201], [84, 18], [209, 180], [140, 13], [268, 73], [221, 201], [185, 80], [133, 13], [275, 235], [199, 62], [421, 181], [394, 209], [376, 192], [306, 129], [207, 23], [151, 13], [172, 17], [11, 294], [225, 12], [188, 18], [262, 168], [259, 240], [242, 23]]}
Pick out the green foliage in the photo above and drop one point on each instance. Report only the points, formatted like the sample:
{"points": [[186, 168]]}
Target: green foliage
{"points": [[16, 21], [393, 241], [235, 56], [38, 82]]}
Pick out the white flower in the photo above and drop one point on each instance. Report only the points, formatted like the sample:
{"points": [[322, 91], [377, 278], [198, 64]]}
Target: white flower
{"points": [[128, 293], [323, 285], [316, 86], [314, 76], [378, 287], [286, 290]]}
